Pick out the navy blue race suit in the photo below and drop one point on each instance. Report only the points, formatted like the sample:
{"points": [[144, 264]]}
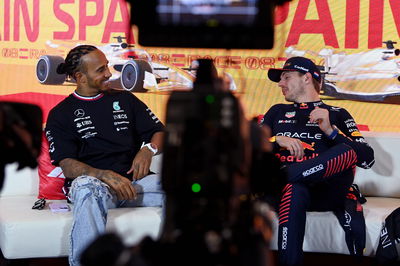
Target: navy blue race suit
{"points": [[321, 179]]}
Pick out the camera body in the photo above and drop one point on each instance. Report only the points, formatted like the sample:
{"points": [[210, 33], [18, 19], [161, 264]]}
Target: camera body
{"points": [[202, 150], [203, 143], [209, 211]]}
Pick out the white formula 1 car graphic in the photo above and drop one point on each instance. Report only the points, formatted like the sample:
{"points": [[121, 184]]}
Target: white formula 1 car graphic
{"points": [[132, 70], [366, 76]]}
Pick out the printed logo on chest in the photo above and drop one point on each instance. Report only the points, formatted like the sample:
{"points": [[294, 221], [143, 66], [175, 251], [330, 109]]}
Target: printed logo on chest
{"points": [[84, 124], [120, 118], [300, 135]]}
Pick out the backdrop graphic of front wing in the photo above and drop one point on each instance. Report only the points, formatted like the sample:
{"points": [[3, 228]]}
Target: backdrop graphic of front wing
{"points": [[365, 76], [331, 90]]}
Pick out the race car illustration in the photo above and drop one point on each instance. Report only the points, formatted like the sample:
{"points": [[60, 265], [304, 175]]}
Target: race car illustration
{"points": [[132, 69], [366, 76]]}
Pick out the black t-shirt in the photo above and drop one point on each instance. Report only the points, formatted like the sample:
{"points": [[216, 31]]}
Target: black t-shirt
{"points": [[105, 131], [292, 120]]}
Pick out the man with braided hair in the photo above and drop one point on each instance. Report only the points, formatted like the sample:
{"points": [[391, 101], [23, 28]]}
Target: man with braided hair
{"points": [[318, 145], [104, 141]]}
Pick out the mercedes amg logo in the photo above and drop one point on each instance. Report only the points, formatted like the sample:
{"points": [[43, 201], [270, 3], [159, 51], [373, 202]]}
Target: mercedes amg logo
{"points": [[79, 113]]}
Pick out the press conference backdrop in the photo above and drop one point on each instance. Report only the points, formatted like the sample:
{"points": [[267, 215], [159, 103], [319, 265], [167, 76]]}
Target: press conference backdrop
{"points": [[353, 41]]}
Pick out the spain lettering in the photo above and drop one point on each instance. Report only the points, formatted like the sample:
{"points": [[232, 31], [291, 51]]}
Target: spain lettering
{"points": [[77, 17]]}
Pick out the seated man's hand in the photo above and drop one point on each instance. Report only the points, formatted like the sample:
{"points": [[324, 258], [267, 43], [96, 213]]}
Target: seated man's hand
{"points": [[293, 145], [321, 116], [121, 185], [141, 164]]}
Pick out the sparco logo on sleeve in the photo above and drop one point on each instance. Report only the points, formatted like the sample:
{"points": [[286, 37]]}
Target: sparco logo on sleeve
{"points": [[313, 170]]}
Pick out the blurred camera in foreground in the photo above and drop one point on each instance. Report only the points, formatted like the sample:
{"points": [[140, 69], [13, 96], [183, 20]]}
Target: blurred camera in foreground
{"points": [[20, 135]]}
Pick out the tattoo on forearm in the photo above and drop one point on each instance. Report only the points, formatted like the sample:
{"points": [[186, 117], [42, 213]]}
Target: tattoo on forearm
{"points": [[73, 168]]}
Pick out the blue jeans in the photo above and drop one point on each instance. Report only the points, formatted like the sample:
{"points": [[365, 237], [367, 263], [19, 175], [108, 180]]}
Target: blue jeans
{"points": [[92, 198]]}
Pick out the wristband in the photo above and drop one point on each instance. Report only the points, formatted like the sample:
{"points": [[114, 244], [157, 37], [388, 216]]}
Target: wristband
{"points": [[334, 133], [151, 146]]}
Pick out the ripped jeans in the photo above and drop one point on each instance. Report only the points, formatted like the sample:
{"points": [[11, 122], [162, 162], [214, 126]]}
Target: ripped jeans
{"points": [[92, 199]]}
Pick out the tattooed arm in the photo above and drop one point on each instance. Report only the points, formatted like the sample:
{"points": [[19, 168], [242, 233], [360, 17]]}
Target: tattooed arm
{"points": [[121, 185]]}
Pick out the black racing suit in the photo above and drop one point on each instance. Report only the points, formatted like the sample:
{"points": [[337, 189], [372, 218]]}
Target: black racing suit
{"points": [[321, 179]]}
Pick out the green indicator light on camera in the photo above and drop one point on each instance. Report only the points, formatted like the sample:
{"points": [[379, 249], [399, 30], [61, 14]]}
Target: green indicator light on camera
{"points": [[196, 187], [210, 99], [212, 23]]}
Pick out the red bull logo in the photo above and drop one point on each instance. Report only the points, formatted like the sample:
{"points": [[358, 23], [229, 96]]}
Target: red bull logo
{"points": [[307, 146], [303, 106]]}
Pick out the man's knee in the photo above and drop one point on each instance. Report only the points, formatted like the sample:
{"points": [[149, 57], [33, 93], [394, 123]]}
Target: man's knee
{"points": [[84, 186], [149, 191], [149, 184]]}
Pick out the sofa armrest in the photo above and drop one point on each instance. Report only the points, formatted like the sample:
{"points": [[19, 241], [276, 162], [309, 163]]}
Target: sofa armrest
{"points": [[156, 164], [383, 179]]}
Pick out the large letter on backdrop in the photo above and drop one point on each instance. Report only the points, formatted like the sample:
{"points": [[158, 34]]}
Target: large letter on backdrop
{"points": [[281, 13], [6, 20], [323, 25], [32, 32], [375, 30], [121, 26], [66, 18], [352, 24], [395, 6], [85, 20]]}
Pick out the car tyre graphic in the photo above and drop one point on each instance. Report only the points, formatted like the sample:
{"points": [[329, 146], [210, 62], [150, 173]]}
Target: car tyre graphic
{"points": [[132, 75], [46, 70]]}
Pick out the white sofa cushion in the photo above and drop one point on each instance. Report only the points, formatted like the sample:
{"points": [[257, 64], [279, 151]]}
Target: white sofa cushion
{"points": [[27, 233], [383, 179]]}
